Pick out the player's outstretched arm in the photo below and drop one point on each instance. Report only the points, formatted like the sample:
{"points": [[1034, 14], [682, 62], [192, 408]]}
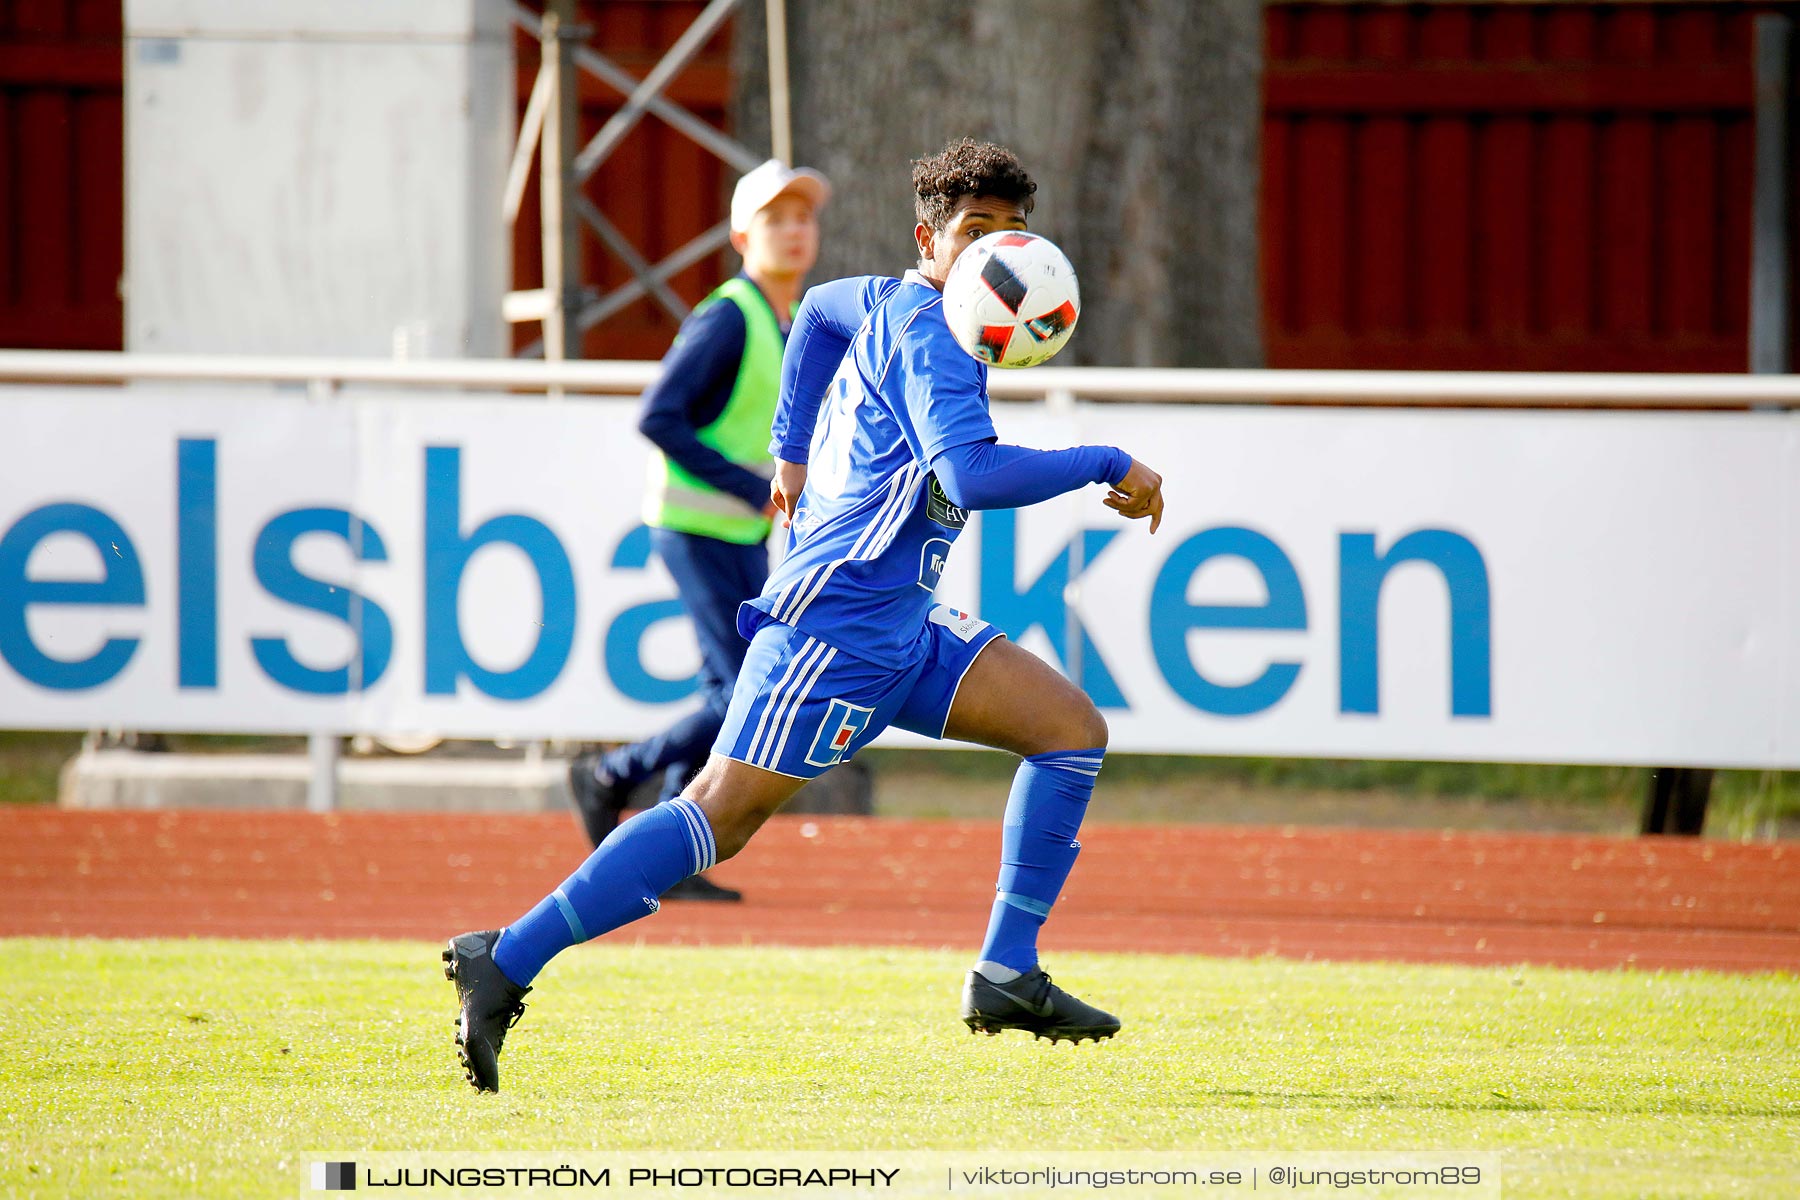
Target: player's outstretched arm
{"points": [[991, 474], [985, 474]]}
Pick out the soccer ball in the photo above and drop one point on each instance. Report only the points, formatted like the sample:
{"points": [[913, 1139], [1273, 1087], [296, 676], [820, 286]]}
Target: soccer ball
{"points": [[1012, 299]]}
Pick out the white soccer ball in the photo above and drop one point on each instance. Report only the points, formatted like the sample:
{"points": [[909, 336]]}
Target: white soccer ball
{"points": [[1012, 299]]}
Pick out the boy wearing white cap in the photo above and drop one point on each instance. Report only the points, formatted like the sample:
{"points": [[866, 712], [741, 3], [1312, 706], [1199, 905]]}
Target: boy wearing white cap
{"points": [[707, 500]]}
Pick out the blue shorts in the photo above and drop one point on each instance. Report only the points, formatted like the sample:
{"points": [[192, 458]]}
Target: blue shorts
{"points": [[802, 706]]}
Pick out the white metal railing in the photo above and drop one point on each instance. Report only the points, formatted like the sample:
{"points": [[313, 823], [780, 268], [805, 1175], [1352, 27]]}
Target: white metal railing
{"points": [[1145, 384]]}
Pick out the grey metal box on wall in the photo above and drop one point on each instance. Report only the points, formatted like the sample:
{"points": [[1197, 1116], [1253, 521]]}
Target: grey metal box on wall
{"points": [[317, 176]]}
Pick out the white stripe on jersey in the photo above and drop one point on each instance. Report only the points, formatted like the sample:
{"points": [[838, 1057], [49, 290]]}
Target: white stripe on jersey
{"points": [[876, 538], [793, 594], [899, 499], [893, 527]]}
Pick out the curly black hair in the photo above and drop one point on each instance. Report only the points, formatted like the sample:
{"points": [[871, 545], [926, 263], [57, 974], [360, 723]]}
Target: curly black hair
{"points": [[966, 167]]}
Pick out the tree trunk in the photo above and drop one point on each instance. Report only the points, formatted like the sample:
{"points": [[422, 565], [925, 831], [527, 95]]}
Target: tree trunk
{"points": [[1138, 118]]}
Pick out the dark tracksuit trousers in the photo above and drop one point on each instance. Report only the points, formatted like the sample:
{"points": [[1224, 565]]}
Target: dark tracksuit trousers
{"points": [[712, 577]]}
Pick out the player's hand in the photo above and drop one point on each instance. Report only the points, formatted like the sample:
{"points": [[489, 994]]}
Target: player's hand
{"points": [[1137, 495], [785, 489]]}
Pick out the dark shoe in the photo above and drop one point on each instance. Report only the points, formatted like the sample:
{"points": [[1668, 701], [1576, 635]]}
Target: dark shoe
{"points": [[1032, 1003], [490, 1005], [699, 887], [599, 798]]}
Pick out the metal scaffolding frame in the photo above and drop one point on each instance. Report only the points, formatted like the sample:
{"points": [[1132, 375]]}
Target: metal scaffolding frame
{"points": [[547, 133]]}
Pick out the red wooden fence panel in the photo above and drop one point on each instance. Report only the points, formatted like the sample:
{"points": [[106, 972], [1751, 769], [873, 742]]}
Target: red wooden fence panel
{"points": [[62, 174], [1507, 186]]}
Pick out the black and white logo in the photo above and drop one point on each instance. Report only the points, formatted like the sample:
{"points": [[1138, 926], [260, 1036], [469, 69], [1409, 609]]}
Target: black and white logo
{"points": [[939, 508], [334, 1177]]}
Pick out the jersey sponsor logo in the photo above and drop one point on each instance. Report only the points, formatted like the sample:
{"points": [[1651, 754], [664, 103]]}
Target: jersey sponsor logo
{"points": [[805, 520], [962, 624], [939, 508], [934, 556], [843, 723]]}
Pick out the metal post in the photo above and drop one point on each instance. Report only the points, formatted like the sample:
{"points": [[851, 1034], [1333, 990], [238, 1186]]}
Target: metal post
{"points": [[781, 133], [561, 242], [1678, 796], [531, 132], [322, 748], [1677, 801], [321, 788], [1770, 285]]}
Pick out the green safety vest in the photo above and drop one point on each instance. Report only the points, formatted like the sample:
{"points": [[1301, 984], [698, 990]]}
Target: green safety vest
{"points": [[676, 500]]}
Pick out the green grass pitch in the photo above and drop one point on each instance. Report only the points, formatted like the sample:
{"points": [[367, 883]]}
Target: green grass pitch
{"points": [[186, 1068]]}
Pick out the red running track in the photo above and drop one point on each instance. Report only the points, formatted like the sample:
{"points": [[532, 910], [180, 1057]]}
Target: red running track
{"points": [[1299, 893]]}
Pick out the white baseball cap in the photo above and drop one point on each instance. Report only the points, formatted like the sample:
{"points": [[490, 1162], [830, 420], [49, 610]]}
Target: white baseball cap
{"points": [[774, 178]]}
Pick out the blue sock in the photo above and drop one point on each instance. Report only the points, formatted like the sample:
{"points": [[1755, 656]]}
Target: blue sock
{"points": [[1037, 848], [619, 882]]}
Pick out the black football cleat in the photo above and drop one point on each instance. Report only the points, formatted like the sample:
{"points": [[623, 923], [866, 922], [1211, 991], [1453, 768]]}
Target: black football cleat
{"points": [[599, 798], [699, 887], [1032, 1003], [490, 1004]]}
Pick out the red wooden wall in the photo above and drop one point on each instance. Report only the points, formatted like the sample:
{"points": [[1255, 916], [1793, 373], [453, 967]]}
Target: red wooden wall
{"points": [[1491, 185], [62, 174], [1507, 186]]}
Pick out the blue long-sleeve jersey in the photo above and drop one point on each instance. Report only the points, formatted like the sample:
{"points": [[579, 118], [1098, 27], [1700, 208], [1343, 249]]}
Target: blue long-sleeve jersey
{"points": [[891, 417]]}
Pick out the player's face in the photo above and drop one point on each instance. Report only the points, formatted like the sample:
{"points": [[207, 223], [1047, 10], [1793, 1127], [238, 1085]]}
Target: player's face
{"points": [[973, 217], [783, 238]]}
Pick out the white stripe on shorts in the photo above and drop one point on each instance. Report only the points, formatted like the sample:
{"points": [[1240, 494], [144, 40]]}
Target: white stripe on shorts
{"points": [[774, 694], [790, 705], [792, 682], [787, 728]]}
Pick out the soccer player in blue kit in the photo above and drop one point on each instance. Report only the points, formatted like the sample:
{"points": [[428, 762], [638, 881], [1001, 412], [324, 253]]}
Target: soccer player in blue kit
{"points": [[883, 444]]}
